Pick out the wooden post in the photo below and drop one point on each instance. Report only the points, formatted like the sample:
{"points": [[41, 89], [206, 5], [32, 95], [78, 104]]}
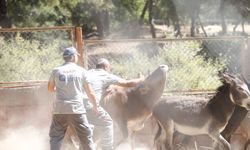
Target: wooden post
{"points": [[79, 45]]}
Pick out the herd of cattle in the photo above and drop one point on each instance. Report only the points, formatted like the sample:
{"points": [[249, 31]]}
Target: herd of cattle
{"points": [[177, 119], [130, 108]]}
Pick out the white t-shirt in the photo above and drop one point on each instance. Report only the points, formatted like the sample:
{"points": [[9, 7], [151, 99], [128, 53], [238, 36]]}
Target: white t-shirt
{"points": [[69, 79], [99, 80]]}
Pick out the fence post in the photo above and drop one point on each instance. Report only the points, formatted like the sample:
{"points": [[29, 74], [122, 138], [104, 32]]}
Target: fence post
{"points": [[79, 45]]}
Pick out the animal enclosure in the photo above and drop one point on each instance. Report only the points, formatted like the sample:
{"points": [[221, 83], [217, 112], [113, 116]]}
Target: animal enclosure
{"points": [[193, 66], [194, 63]]}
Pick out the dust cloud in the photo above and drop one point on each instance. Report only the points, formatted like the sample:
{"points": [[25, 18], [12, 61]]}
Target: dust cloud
{"points": [[127, 146], [25, 138]]}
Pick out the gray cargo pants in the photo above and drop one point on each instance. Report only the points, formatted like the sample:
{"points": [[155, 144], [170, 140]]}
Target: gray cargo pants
{"points": [[77, 122], [103, 125]]}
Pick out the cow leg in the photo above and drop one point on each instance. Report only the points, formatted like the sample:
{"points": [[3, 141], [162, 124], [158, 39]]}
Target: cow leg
{"points": [[164, 135], [123, 127], [132, 140], [246, 145], [159, 138], [122, 124], [181, 141], [221, 142], [169, 129]]}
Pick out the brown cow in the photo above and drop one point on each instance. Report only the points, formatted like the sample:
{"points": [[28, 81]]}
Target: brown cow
{"points": [[245, 129], [131, 107]]}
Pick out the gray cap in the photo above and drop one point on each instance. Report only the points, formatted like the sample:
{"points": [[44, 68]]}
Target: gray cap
{"points": [[70, 51]]}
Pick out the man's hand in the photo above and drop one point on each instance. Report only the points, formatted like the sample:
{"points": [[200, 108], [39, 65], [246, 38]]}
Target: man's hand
{"points": [[91, 96], [51, 86], [95, 110]]}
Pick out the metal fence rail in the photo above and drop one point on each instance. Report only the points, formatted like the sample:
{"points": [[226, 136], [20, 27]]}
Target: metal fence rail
{"points": [[44, 35]]}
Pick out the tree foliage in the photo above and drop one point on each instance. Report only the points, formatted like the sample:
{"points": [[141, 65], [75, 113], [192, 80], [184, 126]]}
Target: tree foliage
{"points": [[187, 69], [22, 60], [105, 15]]}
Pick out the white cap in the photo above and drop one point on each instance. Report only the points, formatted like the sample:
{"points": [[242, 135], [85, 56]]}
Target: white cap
{"points": [[102, 61]]}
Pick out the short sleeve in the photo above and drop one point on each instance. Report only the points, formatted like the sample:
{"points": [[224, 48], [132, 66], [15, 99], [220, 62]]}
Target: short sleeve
{"points": [[84, 75], [113, 79]]}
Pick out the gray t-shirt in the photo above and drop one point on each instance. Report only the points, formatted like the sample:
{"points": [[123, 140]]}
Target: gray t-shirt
{"points": [[69, 79], [99, 80]]}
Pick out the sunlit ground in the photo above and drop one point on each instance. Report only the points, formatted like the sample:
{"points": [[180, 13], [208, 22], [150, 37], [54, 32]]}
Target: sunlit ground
{"points": [[126, 146], [27, 138], [30, 138]]}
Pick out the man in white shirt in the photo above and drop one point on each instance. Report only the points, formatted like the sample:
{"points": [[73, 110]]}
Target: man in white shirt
{"points": [[99, 80]]}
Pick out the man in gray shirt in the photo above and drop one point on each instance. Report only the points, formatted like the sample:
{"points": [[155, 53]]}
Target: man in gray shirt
{"points": [[99, 80], [69, 82]]}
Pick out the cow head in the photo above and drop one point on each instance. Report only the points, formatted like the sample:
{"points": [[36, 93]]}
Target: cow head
{"points": [[151, 89]]}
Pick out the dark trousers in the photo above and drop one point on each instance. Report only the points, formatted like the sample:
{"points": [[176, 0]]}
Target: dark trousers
{"points": [[77, 122]]}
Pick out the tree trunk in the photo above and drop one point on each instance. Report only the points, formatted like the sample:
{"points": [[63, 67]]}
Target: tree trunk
{"points": [[236, 25], [202, 27], [192, 28], [223, 23], [242, 25], [194, 18], [143, 12], [5, 22], [106, 22], [98, 22], [150, 8], [174, 17], [3, 8]]}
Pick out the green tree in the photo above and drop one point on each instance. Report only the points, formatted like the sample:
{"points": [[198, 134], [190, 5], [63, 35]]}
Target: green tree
{"points": [[234, 8], [5, 21]]}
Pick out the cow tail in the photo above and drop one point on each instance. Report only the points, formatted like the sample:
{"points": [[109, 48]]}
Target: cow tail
{"points": [[158, 137]]}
